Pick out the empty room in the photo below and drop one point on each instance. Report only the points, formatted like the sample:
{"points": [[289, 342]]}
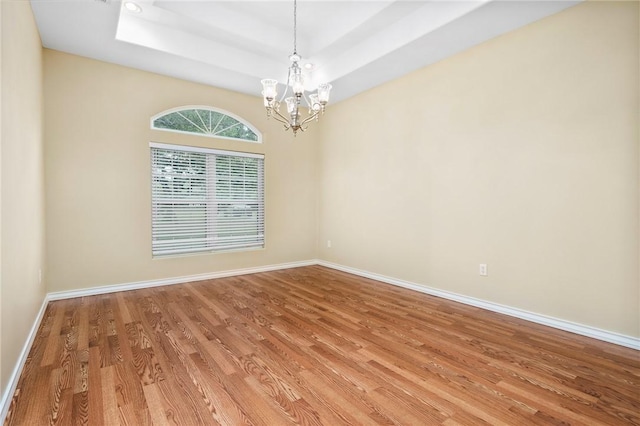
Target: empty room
{"points": [[328, 213]]}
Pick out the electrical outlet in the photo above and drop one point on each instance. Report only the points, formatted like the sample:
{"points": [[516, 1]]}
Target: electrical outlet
{"points": [[483, 270], [328, 243]]}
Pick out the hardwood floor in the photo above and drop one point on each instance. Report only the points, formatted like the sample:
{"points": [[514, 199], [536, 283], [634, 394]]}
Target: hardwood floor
{"points": [[312, 346]]}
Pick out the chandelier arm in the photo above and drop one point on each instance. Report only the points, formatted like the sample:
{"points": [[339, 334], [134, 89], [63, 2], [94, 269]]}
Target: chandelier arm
{"points": [[309, 118], [279, 117]]}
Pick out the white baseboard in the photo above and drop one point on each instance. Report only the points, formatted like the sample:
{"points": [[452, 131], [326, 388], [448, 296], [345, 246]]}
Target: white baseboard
{"points": [[70, 294], [7, 395], [584, 330]]}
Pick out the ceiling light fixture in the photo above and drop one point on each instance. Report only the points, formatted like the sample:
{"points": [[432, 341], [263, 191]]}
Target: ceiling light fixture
{"points": [[315, 102], [132, 7]]}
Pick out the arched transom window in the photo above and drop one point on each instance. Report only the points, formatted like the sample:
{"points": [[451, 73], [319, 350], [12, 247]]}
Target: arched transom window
{"points": [[206, 121]]}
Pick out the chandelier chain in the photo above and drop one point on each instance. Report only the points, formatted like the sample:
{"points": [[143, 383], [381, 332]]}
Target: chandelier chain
{"points": [[295, 27]]}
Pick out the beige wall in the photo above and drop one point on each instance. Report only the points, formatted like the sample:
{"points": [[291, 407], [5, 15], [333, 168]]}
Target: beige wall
{"points": [[22, 186], [521, 153], [98, 175]]}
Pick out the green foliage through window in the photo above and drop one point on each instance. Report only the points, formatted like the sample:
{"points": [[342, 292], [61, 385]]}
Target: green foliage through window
{"points": [[206, 122]]}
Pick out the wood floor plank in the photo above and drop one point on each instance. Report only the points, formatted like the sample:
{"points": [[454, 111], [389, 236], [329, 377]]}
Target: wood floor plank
{"points": [[312, 346], [94, 373], [80, 408], [156, 405], [111, 415], [53, 342]]}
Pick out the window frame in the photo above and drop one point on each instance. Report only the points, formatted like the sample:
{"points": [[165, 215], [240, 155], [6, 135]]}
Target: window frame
{"points": [[210, 247], [206, 135]]}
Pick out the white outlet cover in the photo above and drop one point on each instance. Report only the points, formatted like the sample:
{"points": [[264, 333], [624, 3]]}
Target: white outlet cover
{"points": [[483, 270]]}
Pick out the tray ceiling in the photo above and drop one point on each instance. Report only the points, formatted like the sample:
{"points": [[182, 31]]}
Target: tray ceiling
{"points": [[355, 45]]}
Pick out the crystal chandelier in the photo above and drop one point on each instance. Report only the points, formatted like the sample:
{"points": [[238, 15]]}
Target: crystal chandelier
{"points": [[315, 102]]}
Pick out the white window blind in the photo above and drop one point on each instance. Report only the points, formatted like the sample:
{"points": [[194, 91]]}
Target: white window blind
{"points": [[205, 200]]}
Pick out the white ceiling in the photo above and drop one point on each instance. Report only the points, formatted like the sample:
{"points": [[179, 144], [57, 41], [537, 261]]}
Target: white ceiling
{"points": [[353, 44]]}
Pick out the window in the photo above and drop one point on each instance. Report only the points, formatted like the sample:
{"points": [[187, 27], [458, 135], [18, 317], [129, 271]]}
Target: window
{"points": [[205, 121], [205, 200]]}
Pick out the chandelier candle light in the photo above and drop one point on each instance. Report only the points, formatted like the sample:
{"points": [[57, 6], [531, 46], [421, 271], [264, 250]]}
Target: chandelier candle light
{"points": [[315, 102]]}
